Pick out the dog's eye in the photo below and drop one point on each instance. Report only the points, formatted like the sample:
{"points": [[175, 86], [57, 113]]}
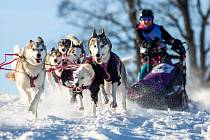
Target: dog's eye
{"points": [[41, 49], [102, 46], [82, 77], [33, 49], [94, 46]]}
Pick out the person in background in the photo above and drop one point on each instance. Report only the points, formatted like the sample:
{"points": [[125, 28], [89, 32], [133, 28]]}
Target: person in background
{"points": [[153, 40]]}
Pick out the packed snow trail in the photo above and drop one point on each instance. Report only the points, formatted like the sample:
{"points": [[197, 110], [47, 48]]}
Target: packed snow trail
{"points": [[58, 119]]}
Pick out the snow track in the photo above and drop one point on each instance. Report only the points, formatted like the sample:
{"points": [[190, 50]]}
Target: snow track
{"points": [[61, 120]]}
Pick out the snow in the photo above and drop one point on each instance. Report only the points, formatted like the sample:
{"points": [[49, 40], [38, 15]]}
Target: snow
{"points": [[58, 119]]}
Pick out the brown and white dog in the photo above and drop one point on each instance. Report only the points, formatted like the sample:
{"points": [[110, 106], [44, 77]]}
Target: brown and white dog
{"points": [[72, 49], [68, 53], [30, 72]]}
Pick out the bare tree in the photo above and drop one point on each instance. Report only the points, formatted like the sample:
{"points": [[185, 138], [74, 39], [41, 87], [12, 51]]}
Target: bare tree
{"points": [[191, 19], [119, 18]]}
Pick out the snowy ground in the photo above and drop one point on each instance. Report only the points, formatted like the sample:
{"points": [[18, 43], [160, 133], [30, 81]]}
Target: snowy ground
{"points": [[58, 119]]}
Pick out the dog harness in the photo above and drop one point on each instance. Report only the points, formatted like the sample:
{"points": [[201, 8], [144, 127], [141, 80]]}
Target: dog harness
{"points": [[32, 79], [98, 79], [67, 75], [112, 68]]}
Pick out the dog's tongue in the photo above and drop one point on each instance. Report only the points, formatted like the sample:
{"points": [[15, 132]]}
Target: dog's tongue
{"points": [[38, 60]]}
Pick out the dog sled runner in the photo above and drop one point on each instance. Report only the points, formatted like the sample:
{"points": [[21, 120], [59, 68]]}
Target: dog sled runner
{"points": [[164, 86]]}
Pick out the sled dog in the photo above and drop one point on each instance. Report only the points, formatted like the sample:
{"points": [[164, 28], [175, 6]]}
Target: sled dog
{"points": [[113, 69], [72, 49], [29, 73], [90, 76], [62, 77]]}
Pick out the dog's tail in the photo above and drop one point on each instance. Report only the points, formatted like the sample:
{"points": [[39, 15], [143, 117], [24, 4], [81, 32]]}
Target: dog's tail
{"points": [[10, 76], [16, 50], [127, 60]]}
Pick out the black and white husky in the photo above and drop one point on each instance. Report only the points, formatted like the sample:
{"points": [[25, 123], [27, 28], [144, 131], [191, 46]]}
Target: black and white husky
{"points": [[113, 71], [30, 72]]}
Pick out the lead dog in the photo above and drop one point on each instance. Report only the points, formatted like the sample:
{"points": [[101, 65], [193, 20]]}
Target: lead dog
{"points": [[114, 69], [30, 73]]}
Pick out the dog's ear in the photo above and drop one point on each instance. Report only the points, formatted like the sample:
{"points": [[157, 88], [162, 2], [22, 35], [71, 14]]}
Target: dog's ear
{"points": [[52, 49], [94, 35], [30, 44], [103, 32], [39, 39], [68, 42], [81, 44]]}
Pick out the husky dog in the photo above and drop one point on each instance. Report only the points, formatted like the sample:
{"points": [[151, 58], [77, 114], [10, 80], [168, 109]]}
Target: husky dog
{"points": [[76, 51], [112, 67], [62, 77], [29, 73], [54, 63], [69, 52], [90, 76], [71, 49]]}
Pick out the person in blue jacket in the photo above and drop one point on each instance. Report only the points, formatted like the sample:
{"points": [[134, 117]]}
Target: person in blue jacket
{"points": [[149, 32]]}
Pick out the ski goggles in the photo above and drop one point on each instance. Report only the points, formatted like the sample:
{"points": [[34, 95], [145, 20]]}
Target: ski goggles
{"points": [[146, 19]]}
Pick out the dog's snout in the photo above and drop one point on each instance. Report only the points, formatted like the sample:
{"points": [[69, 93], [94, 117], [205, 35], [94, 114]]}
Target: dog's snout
{"points": [[76, 84], [38, 55], [97, 55], [63, 50], [55, 60]]}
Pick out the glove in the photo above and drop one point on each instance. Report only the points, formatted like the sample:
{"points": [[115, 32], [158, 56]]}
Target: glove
{"points": [[177, 45]]}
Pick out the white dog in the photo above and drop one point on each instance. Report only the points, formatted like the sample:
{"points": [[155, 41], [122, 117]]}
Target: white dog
{"points": [[30, 73], [90, 76]]}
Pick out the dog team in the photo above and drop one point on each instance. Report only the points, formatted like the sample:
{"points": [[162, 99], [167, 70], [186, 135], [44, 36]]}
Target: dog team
{"points": [[68, 66]]}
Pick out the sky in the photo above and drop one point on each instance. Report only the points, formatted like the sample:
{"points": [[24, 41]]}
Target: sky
{"points": [[23, 20]]}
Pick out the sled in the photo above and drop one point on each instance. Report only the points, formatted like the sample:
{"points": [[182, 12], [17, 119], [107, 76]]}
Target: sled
{"points": [[162, 88]]}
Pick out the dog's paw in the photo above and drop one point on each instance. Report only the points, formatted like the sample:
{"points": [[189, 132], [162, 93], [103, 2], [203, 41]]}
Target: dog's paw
{"points": [[113, 105], [106, 100]]}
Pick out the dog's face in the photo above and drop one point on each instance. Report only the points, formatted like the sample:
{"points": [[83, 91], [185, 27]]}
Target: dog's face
{"points": [[84, 75], [74, 54], [55, 57], [99, 47], [64, 45], [35, 52], [76, 49]]}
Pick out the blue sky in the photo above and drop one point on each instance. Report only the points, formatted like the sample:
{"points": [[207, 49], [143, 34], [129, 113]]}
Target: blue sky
{"points": [[23, 20]]}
